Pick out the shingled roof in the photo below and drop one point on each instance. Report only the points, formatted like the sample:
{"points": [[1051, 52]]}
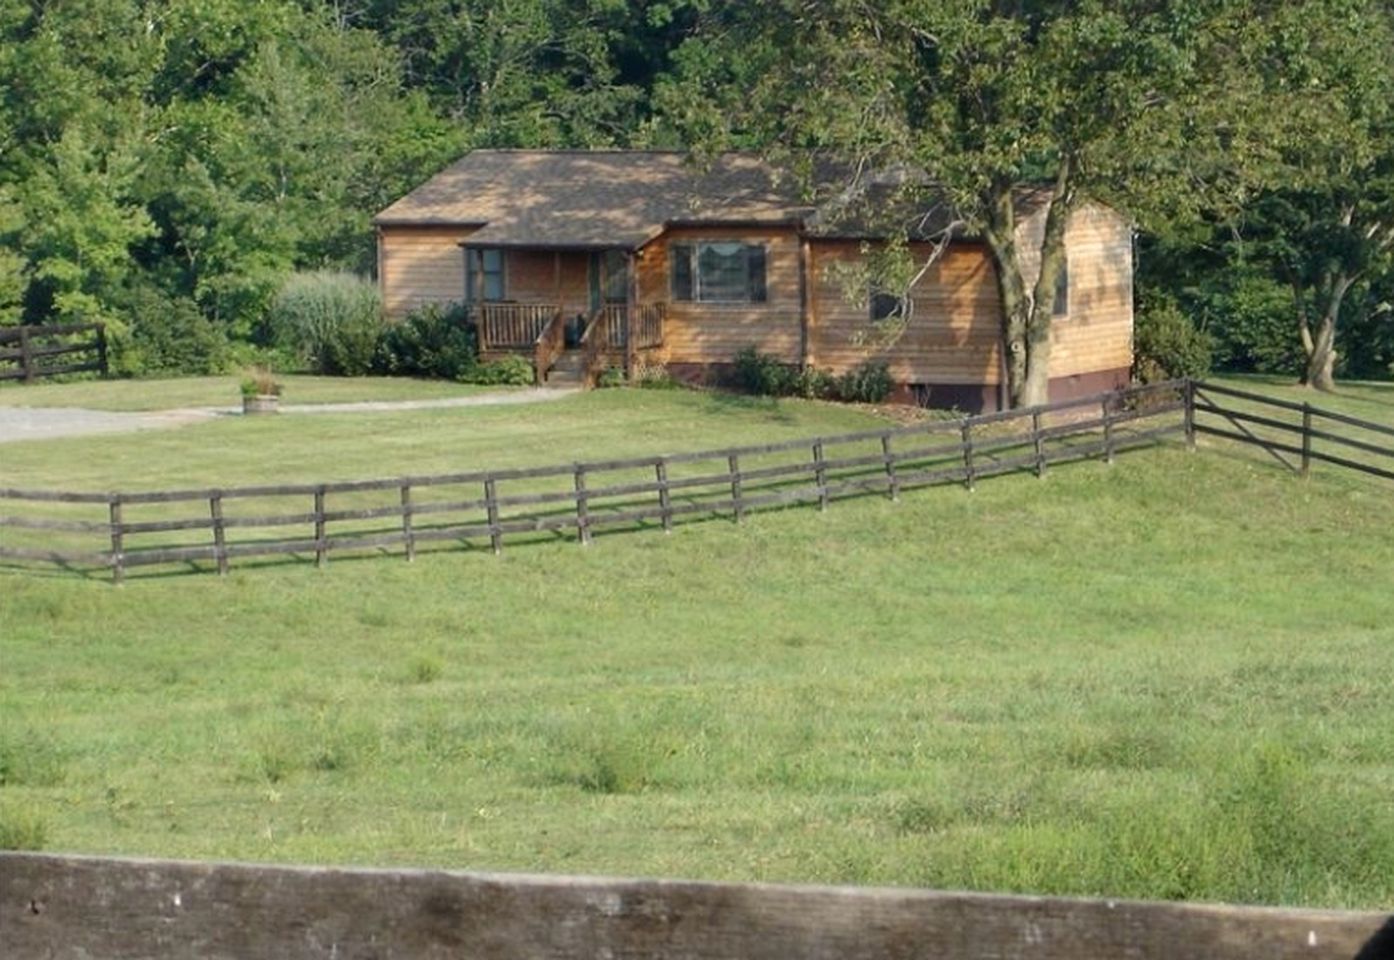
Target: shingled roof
{"points": [[605, 199], [595, 198]]}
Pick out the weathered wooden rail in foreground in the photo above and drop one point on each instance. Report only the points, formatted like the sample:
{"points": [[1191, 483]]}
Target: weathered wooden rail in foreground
{"points": [[30, 352], [214, 526], [59, 907]]}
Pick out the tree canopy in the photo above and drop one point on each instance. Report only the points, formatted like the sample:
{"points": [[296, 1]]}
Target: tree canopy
{"points": [[180, 158]]}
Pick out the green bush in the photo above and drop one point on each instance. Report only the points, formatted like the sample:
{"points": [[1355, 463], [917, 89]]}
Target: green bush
{"points": [[1167, 345], [814, 384], [512, 370], [869, 382], [164, 335], [331, 320], [610, 377], [763, 374], [432, 341]]}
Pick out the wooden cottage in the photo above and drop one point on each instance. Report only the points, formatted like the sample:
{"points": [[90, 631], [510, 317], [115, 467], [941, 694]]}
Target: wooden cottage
{"points": [[582, 259]]}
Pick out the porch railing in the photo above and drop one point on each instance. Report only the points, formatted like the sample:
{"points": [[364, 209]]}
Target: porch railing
{"points": [[647, 329], [512, 326], [549, 345]]}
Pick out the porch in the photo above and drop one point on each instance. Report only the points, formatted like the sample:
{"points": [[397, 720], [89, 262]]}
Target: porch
{"points": [[571, 312], [574, 346]]}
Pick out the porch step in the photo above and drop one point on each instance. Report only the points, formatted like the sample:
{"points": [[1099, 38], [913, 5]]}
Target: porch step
{"points": [[569, 370]]}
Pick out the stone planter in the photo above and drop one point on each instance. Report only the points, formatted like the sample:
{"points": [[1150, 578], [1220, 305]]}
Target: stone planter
{"points": [[260, 403]]}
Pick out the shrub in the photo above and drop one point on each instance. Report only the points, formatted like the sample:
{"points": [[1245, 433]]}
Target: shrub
{"points": [[610, 377], [869, 382], [165, 334], [260, 382], [763, 374], [432, 341], [1167, 344], [813, 384], [331, 320], [512, 370]]}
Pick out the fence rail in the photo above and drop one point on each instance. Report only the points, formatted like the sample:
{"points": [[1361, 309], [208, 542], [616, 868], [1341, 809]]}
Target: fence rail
{"points": [[30, 352], [64, 906], [1294, 434], [124, 530]]}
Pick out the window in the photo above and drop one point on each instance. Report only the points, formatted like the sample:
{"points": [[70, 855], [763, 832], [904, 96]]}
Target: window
{"points": [[1062, 290], [718, 272], [885, 306], [616, 276], [491, 265]]}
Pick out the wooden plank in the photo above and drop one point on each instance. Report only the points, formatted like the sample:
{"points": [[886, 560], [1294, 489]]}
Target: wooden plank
{"points": [[491, 506], [967, 434], [55, 906], [407, 522], [118, 560], [892, 485], [820, 474], [665, 503], [582, 511], [734, 463], [215, 511], [321, 544]]}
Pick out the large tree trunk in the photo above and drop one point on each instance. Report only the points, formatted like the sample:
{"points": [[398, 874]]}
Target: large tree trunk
{"points": [[1027, 314], [1321, 348]]}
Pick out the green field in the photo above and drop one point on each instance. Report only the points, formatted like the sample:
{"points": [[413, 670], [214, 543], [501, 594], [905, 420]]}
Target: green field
{"points": [[1171, 677]]}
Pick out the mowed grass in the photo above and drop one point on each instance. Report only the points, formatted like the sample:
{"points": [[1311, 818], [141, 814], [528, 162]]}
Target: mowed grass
{"points": [[1170, 677], [184, 392]]}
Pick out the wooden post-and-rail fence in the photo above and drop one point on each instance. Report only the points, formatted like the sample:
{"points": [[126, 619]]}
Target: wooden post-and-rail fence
{"points": [[214, 526], [30, 352], [70, 907], [211, 527]]}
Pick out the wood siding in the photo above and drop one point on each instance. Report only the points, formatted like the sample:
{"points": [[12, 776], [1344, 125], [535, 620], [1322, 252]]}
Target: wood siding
{"points": [[1097, 333], [714, 332], [530, 276], [420, 265], [953, 335]]}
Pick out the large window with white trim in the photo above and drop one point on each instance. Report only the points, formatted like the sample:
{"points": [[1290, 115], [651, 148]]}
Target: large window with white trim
{"points": [[718, 271]]}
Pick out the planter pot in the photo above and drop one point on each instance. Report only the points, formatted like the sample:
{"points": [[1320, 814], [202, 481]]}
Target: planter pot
{"points": [[265, 403]]}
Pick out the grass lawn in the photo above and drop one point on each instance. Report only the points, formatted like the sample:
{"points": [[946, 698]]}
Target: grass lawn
{"points": [[175, 393], [1171, 677]]}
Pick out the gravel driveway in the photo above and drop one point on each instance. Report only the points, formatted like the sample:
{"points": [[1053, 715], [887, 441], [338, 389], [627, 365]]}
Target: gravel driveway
{"points": [[46, 423]]}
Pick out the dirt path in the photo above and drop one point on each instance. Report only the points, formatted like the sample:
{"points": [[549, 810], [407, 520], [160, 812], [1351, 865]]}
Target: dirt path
{"points": [[48, 423]]}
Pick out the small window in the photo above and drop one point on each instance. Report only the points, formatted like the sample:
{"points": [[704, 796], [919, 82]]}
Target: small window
{"points": [[1062, 290], [491, 265], [718, 272], [885, 306]]}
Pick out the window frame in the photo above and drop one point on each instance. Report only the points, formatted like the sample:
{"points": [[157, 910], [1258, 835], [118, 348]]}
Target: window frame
{"points": [[689, 254]]}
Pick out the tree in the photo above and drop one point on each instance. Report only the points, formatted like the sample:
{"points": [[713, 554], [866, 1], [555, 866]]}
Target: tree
{"points": [[1328, 229], [1148, 104]]}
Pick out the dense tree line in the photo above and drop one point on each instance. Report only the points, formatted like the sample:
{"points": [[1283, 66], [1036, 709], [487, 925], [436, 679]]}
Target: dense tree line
{"points": [[165, 165]]}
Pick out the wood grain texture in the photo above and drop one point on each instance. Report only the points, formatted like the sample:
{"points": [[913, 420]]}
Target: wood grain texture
{"points": [[59, 907], [420, 265]]}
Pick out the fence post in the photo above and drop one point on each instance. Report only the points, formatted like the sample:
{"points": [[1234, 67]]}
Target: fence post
{"points": [[26, 355], [1189, 395], [892, 482], [118, 556], [101, 349], [967, 433], [665, 504], [491, 510], [407, 533], [1306, 439], [820, 475], [1108, 429], [215, 512], [321, 546], [733, 463], [1038, 443], [583, 522]]}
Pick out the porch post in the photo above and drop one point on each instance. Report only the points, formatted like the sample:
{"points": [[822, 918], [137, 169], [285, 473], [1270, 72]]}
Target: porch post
{"points": [[631, 304]]}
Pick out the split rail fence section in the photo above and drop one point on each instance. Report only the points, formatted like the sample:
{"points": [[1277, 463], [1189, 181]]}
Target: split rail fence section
{"points": [[77, 907], [209, 528], [1294, 434], [29, 352]]}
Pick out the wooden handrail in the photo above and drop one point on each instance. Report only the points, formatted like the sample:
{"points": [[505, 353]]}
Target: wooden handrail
{"points": [[548, 346]]}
